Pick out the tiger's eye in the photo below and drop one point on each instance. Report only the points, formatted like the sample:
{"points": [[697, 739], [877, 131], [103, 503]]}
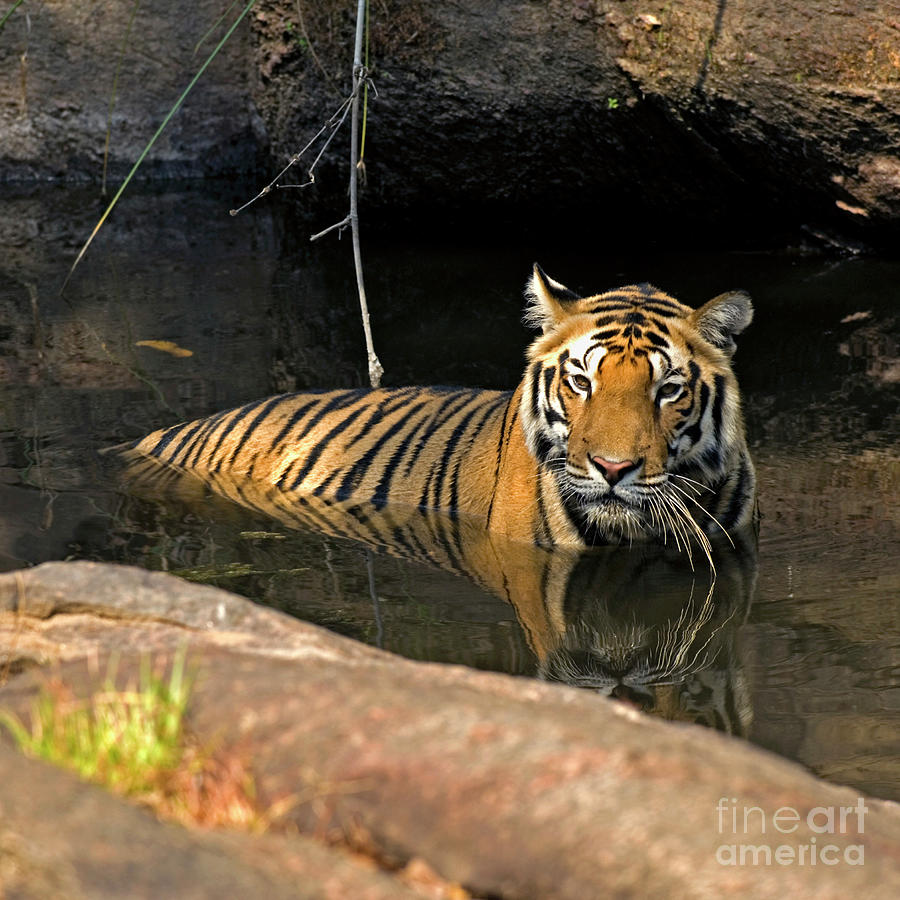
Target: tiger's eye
{"points": [[669, 390], [580, 383]]}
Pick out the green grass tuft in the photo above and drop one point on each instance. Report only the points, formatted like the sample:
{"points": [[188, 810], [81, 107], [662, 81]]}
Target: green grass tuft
{"points": [[134, 742], [122, 739]]}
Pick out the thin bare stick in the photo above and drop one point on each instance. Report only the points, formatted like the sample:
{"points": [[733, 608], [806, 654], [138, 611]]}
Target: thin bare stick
{"points": [[349, 106], [360, 74]]}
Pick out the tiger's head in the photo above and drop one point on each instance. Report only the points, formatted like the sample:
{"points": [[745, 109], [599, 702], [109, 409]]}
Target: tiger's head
{"points": [[629, 399]]}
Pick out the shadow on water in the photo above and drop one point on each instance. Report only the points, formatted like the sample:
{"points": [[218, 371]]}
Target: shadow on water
{"points": [[804, 664]]}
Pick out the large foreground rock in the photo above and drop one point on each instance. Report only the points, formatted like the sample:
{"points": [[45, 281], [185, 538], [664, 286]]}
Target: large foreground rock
{"points": [[510, 787], [60, 837]]}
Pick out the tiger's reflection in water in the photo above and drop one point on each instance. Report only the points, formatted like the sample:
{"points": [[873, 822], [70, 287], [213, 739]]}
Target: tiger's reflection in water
{"points": [[641, 627], [637, 624]]}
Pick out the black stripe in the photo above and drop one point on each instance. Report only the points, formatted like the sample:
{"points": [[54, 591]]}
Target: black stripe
{"points": [[187, 433], [501, 443], [339, 401], [322, 488], [535, 389], [398, 539], [435, 421], [549, 373], [292, 420], [202, 440], [712, 458], [545, 448], [694, 369], [325, 442], [552, 417], [696, 430], [381, 410], [738, 498], [719, 381], [438, 422], [424, 551], [360, 468], [616, 301], [382, 489], [663, 307], [448, 451], [542, 520], [168, 436], [454, 479], [450, 544], [239, 416], [257, 421], [319, 521], [665, 355]]}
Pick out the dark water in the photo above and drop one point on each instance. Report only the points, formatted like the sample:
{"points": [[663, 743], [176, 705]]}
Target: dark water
{"points": [[797, 649]]}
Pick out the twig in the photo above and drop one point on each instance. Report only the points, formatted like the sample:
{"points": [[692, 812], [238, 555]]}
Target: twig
{"points": [[360, 77], [342, 224], [334, 123]]}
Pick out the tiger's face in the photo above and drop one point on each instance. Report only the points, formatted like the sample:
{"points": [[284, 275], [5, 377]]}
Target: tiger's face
{"points": [[630, 401]]}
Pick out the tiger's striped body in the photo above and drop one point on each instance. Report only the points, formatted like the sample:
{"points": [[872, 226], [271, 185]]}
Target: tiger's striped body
{"points": [[625, 393]]}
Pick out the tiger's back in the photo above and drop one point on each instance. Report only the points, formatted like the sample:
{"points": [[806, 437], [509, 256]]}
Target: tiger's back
{"points": [[432, 448]]}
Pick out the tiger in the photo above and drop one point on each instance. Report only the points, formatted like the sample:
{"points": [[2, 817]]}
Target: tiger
{"points": [[625, 427]]}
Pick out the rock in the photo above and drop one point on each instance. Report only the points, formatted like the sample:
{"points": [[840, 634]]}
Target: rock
{"points": [[636, 117], [69, 71], [61, 837], [734, 118], [64, 611], [509, 787]]}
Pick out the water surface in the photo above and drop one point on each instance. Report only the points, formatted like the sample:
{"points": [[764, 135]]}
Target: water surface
{"points": [[796, 647]]}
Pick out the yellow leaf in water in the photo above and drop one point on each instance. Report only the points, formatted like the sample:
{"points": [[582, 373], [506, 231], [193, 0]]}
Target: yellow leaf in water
{"points": [[166, 347]]}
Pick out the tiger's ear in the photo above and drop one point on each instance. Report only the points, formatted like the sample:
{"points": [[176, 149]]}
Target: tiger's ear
{"points": [[548, 300], [722, 318]]}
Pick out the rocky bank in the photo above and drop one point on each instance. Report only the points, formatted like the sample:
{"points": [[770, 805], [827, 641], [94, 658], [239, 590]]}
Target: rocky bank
{"points": [[736, 119]]}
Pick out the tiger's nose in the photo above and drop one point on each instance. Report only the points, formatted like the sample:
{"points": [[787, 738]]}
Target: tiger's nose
{"points": [[614, 471]]}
